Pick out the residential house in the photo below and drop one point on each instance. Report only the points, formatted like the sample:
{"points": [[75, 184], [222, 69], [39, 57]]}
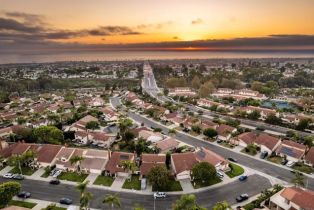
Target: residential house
{"points": [[167, 144], [291, 150], [181, 91], [148, 161], [96, 102], [114, 166], [309, 157], [109, 114], [45, 154], [80, 125], [94, 161], [150, 136], [175, 118], [206, 155], [292, 198], [225, 132], [182, 164], [204, 124], [266, 142]]}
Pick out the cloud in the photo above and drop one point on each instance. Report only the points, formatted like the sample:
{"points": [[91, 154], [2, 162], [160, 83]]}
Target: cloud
{"points": [[16, 26], [154, 26], [197, 21]]}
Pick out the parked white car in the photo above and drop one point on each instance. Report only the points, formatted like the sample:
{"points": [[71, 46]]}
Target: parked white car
{"points": [[57, 173], [159, 195], [8, 175], [220, 174], [290, 163]]}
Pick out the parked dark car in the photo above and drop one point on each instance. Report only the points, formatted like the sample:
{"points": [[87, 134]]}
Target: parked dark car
{"points": [[18, 177], [66, 201], [242, 197], [55, 181], [24, 194], [263, 155], [185, 130], [243, 178], [284, 162], [232, 159]]}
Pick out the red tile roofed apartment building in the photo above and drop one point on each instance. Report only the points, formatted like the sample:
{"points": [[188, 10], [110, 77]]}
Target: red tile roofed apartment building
{"points": [[149, 161], [205, 155], [114, 165], [292, 150], [292, 198], [182, 164], [309, 157], [266, 142]]}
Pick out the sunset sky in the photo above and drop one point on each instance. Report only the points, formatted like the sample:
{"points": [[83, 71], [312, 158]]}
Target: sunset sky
{"points": [[157, 24]]}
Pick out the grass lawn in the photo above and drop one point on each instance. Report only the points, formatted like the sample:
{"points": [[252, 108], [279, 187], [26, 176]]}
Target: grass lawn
{"points": [[275, 159], [47, 172], [173, 185], [55, 208], [104, 180], [302, 167], [236, 170], [24, 204], [134, 184], [251, 150], [225, 144], [25, 171], [199, 184], [72, 176]]}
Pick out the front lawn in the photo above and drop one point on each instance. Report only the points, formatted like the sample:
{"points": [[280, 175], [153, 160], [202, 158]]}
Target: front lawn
{"points": [[25, 171], [251, 150], [172, 186], [275, 159], [104, 180], [236, 170], [226, 144], [303, 168], [47, 172], [54, 208], [72, 176], [199, 184], [24, 204], [133, 184]]}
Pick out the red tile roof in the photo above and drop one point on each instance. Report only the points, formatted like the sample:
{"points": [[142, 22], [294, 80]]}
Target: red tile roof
{"points": [[183, 161], [310, 156], [205, 155], [114, 163], [303, 198], [47, 153], [224, 130]]}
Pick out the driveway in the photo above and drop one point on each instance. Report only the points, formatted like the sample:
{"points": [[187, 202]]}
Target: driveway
{"points": [[186, 185]]}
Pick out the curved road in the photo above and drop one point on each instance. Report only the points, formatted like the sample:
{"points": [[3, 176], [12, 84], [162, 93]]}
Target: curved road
{"points": [[44, 191]]}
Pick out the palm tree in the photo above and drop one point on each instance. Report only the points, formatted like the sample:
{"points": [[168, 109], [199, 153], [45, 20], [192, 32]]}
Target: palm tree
{"points": [[82, 187], [76, 160], [186, 202], [16, 161], [222, 206], [128, 165], [298, 179], [172, 132], [112, 200], [84, 200]]}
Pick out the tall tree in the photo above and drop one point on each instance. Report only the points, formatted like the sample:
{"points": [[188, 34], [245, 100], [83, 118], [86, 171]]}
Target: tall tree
{"points": [[158, 177], [7, 191], [203, 171], [48, 134], [222, 206], [112, 201], [298, 179], [187, 202], [76, 160]]}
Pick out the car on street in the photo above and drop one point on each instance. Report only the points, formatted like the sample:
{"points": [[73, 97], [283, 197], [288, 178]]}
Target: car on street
{"points": [[66, 201], [159, 195], [232, 159], [54, 181], [18, 177], [242, 197], [243, 178], [8, 176], [24, 194], [290, 163]]}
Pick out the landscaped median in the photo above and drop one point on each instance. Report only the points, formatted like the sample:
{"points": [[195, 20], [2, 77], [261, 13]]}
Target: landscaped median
{"points": [[72, 176], [236, 170], [104, 180]]}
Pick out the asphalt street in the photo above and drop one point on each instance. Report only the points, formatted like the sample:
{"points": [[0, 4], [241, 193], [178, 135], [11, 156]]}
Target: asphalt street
{"points": [[44, 191], [259, 165]]}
